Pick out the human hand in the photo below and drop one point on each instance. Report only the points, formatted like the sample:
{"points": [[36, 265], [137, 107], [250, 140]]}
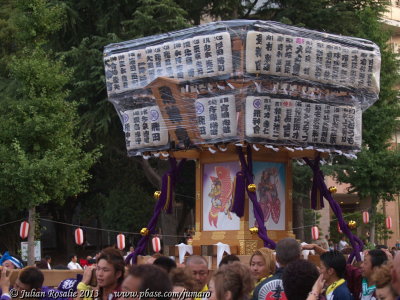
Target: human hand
{"points": [[87, 274], [308, 247], [5, 280], [318, 285]]}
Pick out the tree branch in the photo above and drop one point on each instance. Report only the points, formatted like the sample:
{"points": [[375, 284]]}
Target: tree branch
{"points": [[150, 173]]}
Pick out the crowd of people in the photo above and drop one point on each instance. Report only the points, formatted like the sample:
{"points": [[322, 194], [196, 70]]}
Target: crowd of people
{"points": [[271, 274]]}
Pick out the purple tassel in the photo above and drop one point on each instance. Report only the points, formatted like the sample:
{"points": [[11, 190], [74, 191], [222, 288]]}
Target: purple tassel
{"points": [[319, 182], [169, 180], [239, 196], [247, 168]]}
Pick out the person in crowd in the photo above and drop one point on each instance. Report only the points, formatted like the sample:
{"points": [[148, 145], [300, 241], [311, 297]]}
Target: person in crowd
{"points": [[372, 260], [232, 282], [73, 264], [30, 280], [382, 279], [48, 261], [323, 243], [342, 243], [42, 264], [182, 280], [287, 251], [199, 267], [396, 275], [331, 245], [333, 268], [298, 279], [131, 250], [262, 264], [110, 270], [227, 259], [10, 262], [147, 278], [165, 263]]}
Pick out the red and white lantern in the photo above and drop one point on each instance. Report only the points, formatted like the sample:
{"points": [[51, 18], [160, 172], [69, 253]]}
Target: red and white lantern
{"points": [[389, 222], [365, 217], [315, 232], [24, 230], [156, 244], [338, 228], [121, 241], [79, 236]]}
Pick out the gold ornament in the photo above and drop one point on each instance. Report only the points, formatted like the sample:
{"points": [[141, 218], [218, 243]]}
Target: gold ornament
{"points": [[252, 187], [144, 231], [332, 189], [253, 230], [352, 224], [157, 195]]}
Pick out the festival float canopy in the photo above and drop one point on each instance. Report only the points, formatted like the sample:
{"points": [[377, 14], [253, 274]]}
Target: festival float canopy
{"points": [[239, 86]]}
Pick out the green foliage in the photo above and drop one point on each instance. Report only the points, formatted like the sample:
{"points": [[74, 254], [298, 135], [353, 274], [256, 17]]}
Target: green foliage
{"points": [[154, 17], [40, 155]]}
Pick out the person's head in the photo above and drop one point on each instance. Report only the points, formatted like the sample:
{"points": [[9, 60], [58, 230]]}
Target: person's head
{"points": [[343, 238], [381, 277], [29, 278], [333, 265], [182, 279], [73, 258], [110, 268], [166, 263], [227, 259], [131, 249], [150, 278], [199, 267], [287, 250], [10, 262], [47, 258], [232, 282], [396, 274], [42, 264], [298, 279], [373, 259], [89, 257], [262, 263]]}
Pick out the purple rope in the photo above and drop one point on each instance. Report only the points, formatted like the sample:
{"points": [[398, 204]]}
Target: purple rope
{"points": [[319, 183], [247, 169], [172, 175]]}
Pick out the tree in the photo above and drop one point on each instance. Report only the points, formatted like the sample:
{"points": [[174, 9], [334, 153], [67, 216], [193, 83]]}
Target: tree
{"points": [[41, 156]]}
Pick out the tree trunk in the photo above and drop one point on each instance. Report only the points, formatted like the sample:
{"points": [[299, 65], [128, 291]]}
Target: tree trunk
{"points": [[373, 216], [31, 237]]}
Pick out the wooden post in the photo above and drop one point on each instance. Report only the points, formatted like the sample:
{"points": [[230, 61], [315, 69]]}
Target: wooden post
{"points": [[31, 236]]}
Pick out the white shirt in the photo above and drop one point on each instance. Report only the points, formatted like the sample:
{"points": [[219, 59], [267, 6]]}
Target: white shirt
{"points": [[74, 266], [342, 245]]}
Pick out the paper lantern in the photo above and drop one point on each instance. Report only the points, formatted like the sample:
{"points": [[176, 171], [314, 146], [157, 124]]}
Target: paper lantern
{"points": [[156, 244], [79, 236], [389, 222], [24, 230], [121, 241], [315, 232], [365, 217], [338, 228]]}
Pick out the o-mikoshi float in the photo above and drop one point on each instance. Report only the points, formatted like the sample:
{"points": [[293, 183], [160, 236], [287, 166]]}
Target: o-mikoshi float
{"points": [[242, 98]]}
